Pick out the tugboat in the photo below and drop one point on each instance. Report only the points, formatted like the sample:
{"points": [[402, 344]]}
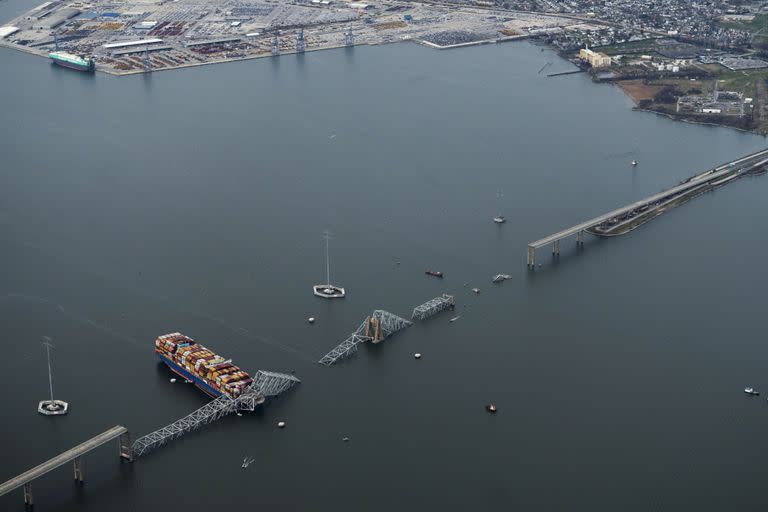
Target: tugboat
{"points": [[328, 290], [634, 163], [434, 273], [500, 278], [751, 391]]}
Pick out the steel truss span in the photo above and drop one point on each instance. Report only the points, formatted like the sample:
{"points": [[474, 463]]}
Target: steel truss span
{"points": [[380, 325], [433, 307], [265, 384]]}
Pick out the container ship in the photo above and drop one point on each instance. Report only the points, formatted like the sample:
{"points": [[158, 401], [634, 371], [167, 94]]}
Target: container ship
{"points": [[69, 60], [211, 373]]}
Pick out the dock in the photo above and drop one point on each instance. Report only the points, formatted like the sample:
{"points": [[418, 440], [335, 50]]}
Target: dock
{"points": [[72, 455], [562, 73], [707, 178]]}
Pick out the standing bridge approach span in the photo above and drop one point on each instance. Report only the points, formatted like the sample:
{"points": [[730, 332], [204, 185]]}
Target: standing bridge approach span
{"points": [[753, 160], [72, 455]]}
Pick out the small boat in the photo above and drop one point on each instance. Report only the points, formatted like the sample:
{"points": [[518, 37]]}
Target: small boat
{"points": [[454, 318], [634, 163], [247, 462], [476, 290], [751, 391], [500, 278], [434, 273], [491, 408], [499, 219], [187, 381]]}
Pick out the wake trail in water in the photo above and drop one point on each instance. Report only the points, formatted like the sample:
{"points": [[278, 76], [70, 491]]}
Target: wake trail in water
{"points": [[141, 344], [77, 318]]}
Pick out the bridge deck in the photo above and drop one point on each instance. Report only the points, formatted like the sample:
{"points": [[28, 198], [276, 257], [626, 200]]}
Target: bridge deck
{"points": [[718, 172], [61, 459]]}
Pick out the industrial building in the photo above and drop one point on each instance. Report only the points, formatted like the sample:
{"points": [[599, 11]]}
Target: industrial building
{"points": [[7, 31], [595, 59], [51, 20]]}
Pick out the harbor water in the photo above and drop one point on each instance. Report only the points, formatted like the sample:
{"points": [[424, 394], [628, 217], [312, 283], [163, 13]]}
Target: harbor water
{"points": [[195, 201]]}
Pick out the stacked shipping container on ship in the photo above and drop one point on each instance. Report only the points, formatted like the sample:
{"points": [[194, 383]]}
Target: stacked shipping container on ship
{"points": [[210, 372]]}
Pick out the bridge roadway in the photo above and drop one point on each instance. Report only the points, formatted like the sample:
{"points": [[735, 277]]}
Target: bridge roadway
{"points": [[701, 179], [73, 454]]}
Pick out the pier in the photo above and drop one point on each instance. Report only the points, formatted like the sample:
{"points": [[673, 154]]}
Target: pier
{"points": [[718, 175], [563, 73], [73, 455]]}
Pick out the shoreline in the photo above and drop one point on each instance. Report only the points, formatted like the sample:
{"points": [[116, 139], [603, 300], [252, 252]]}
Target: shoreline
{"points": [[636, 95], [518, 37], [632, 88], [114, 72], [693, 121]]}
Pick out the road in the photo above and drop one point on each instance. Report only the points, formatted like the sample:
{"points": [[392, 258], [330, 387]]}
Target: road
{"points": [[61, 459], [718, 172]]}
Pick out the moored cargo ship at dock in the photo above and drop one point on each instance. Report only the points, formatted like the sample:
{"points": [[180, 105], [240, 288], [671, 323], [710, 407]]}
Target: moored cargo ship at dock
{"points": [[69, 60], [210, 372]]}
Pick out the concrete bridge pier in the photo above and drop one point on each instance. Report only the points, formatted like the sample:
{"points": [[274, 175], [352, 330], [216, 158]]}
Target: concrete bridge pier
{"points": [[124, 447], [580, 237], [556, 247], [28, 495], [78, 468], [531, 256]]}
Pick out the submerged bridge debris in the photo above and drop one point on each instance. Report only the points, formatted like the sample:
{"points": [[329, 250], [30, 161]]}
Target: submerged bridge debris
{"points": [[433, 307], [265, 384], [375, 328]]}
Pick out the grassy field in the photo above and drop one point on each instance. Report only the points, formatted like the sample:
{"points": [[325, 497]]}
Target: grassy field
{"points": [[742, 81], [739, 81], [644, 46]]}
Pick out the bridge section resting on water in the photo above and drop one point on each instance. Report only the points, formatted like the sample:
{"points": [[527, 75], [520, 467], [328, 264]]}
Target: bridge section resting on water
{"points": [[265, 384], [377, 327], [433, 307]]}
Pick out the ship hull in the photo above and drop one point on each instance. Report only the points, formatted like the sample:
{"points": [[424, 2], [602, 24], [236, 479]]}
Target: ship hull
{"points": [[70, 65], [210, 372], [181, 372]]}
